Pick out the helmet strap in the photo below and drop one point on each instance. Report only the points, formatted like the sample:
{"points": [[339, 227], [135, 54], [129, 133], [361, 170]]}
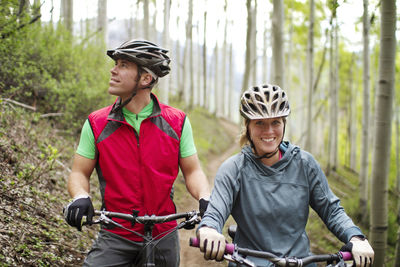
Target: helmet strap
{"points": [[269, 154]]}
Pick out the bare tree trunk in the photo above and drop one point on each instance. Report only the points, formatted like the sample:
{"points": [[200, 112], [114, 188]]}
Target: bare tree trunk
{"points": [[254, 58], [164, 83], [310, 57], [247, 68], [397, 251], [189, 37], [130, 23], [180, 73], [363, 178], [277, 50], [139, 25], [383, 127], [231, 90], [335, 99], [67, 14], [179, 70], [146, 19], [205, 98], [331, 95], [224, 56], [102, 20], [199, 69], [216, 95], [264, 69], [352, 118]]}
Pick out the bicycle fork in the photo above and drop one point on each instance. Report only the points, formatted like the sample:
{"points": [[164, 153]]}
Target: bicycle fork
{"points": [[149, 246]]}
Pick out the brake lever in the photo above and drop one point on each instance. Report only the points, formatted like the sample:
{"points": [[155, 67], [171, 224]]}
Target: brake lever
{"points": [[196, 218], [103, 219], [236, 258]]}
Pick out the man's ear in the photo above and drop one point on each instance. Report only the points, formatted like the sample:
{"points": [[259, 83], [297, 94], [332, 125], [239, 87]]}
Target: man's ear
{"points": [[146, 79]]}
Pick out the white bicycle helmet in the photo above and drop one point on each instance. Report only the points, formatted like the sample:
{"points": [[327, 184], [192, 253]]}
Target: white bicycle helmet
{"points": [[264, 102]]}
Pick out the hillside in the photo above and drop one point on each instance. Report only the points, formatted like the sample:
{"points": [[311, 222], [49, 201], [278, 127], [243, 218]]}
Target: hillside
{"points": [[34, 165]]}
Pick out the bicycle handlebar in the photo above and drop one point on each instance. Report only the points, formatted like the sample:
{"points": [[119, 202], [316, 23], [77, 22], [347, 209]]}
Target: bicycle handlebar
{"points": [[147, 219], [230, 248]]}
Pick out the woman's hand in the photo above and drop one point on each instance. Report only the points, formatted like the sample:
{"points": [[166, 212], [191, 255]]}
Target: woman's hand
{"points": [[212, 243], [363, 254]]}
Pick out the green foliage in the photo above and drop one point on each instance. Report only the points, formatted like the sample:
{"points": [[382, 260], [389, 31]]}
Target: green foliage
{"points": [[47, 68]]}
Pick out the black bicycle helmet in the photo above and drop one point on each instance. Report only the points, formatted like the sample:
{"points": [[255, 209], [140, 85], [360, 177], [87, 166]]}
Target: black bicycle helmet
{"points": [[264, 102], [145, 54]]}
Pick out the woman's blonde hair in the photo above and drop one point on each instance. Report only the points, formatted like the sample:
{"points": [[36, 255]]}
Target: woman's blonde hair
{"points": [[244, 135]]}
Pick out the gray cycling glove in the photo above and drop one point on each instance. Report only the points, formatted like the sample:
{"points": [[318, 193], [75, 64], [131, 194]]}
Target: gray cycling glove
{"points": [[76, 209]]}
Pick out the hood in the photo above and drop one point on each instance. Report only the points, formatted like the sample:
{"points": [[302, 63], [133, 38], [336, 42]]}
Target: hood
{"points": [[288, 152]]}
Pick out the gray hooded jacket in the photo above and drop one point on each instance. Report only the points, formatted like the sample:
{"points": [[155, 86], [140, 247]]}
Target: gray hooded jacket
{"points": [[271, 204]]}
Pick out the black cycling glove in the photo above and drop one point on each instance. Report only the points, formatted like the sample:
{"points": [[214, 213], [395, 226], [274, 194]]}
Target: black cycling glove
{"points": [[203, 206], [75, 210]]}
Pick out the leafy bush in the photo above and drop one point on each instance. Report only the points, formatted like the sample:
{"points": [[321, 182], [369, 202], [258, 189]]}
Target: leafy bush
{"points": [[47, 68]]}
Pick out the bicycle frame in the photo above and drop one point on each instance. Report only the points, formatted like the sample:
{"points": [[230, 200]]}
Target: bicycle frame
{"points": [[105, 217], [233, 250]]}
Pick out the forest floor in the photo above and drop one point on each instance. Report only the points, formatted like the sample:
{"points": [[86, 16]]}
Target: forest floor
{"points": [[34, 166]]}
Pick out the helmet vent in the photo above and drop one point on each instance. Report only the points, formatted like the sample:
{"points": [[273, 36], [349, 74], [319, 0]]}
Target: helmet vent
{"points": [[273, 107], [275, 97], [264, 109], [267, 96], [282, 106], [252, 106]]}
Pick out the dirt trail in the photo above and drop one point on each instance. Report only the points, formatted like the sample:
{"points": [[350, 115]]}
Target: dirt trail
{"points": [[191, 257]]}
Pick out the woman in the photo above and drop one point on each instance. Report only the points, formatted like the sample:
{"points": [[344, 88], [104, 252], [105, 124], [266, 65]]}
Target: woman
{"points": [[268, 188]]}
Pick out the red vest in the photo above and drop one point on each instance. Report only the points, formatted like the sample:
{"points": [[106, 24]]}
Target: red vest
{"points": [[137, 171]]}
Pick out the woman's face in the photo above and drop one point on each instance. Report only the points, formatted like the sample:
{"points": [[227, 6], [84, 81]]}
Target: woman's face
{"points": [[266, 134]]}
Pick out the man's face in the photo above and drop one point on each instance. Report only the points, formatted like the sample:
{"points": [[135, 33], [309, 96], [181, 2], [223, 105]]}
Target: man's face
{"points": [[124, 78]]}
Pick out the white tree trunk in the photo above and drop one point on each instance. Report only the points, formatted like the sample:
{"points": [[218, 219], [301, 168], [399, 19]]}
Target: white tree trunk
{"points": [[277, 48], [205, 76], [189, 36], [382, 132], [247, 68], [67, 14], [363, 178], [165, 81], [146, 19], [102, 20], [310, 61]]}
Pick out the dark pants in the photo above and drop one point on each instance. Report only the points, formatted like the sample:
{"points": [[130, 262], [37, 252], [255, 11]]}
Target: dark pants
{"points": [[112, 250]]}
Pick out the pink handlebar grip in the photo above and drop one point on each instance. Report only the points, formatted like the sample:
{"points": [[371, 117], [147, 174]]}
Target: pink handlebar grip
{"points": [[195, 242], [347, 256]]}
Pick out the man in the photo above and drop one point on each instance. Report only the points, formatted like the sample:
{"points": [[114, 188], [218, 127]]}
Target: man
{"points": [[137, 146]]}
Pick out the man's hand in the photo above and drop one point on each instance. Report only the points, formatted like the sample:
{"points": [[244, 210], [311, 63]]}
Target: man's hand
{"points": [[212, 243], [363, 254], [203, 204], [76, 209]]}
